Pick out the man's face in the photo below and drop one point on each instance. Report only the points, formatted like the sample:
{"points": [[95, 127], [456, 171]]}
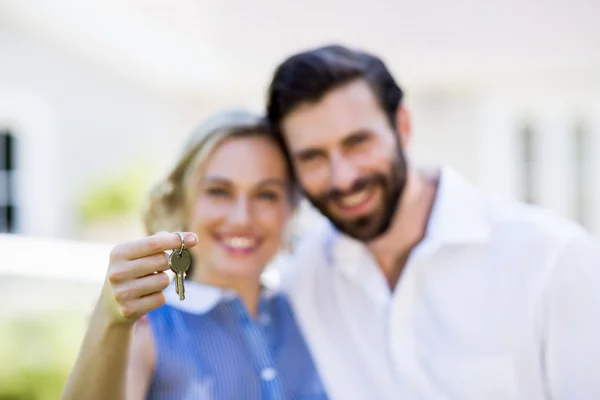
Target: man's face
{"points": [[348, 159]]}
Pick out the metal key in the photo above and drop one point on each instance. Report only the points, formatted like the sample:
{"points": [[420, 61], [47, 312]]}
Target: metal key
{"points": [[179, 263]]}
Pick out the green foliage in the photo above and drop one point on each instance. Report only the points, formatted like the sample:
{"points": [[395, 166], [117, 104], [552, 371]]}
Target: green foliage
{"points": [[41, 383], [37, 355], [116, 195]]}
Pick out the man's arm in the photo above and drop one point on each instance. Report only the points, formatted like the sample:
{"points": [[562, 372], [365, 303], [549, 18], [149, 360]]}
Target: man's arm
{"points": [[571, 322]]}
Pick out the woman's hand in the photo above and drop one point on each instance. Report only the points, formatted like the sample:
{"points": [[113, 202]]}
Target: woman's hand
{"points": [[136, 279]]}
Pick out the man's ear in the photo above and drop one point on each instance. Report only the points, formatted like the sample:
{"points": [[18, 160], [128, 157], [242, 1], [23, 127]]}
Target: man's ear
{"points": [[403, 125]]}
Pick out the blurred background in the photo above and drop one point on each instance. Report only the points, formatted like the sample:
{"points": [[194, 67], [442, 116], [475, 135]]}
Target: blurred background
{"points": [[97, 97]]}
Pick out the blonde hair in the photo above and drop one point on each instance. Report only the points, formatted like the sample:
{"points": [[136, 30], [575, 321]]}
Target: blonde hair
{"points": [[166, 205]]}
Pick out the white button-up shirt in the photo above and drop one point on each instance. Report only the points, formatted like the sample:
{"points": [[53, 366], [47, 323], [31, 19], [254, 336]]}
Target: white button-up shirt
{"points": [[500, 301]]}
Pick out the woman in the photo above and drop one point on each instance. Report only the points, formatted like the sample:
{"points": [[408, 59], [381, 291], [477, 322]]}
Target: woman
{"points": [[231, 194]]}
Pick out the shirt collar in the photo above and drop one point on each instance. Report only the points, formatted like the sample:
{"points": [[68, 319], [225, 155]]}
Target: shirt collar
{"points": [[458, 214], [457, 217], [201, 298]]}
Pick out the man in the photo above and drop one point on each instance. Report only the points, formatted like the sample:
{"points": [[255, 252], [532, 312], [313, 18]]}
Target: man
{"points": [[422, 287]]}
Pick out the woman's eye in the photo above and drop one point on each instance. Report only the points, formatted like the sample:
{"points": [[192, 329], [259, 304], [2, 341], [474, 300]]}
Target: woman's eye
{"points": [[217, 192]]}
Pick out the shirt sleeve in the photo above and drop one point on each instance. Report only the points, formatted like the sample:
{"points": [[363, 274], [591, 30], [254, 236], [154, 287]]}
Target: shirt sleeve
{"points": [[571, 323]]}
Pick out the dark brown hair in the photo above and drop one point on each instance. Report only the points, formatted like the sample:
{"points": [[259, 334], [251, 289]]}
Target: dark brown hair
{"points": [[308, 76]]}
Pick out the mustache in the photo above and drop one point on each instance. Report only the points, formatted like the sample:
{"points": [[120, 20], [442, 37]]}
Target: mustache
{"points": [[357, 186]]}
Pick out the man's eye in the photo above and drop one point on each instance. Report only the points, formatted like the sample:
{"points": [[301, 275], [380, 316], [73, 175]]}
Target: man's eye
{"points": [[271, 196]]}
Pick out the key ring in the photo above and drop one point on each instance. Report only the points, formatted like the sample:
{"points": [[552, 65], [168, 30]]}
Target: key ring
{"points": [[182, 244]]}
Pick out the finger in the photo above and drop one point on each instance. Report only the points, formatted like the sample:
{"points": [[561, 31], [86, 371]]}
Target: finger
{"points": [[154, 244], [141, 287], [133, 269], [136, 308]]}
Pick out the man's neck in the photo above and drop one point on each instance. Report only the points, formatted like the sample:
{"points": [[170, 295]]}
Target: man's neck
{"points": [[408, 227]]}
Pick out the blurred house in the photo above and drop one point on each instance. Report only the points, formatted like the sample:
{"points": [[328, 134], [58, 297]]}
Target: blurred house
{"points": [[78, 108], [507, 93], [97, 97], [41, 275]]}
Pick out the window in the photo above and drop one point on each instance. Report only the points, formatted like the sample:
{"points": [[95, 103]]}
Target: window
{"points": [[527, 161], [7, 179]]}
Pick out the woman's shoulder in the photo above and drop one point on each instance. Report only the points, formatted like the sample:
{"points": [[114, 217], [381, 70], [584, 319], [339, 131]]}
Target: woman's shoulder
{"points": [[162, 314], [163, 322], [142, 346]]}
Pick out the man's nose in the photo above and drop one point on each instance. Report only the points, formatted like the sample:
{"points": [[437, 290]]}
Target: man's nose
{"points": [[343, 173]]}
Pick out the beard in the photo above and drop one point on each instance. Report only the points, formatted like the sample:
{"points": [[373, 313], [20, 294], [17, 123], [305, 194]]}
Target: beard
{"points": [[370, 226]]}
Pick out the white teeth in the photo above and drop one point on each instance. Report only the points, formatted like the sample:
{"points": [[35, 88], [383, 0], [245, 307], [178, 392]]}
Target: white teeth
{"points": [[240, 242], [355, 199]]}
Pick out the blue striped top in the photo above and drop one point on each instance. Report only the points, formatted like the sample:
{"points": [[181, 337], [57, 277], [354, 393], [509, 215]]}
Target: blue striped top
{"points": [[208, 347]]}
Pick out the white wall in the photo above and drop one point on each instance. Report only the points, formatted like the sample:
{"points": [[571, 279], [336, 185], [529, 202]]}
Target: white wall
{"points": [[477, 131], [554, 120], [75, 122], [444, 129]]}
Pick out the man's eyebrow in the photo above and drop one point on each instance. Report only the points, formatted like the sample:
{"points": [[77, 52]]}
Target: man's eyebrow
{"points": [[358, 134], [305, 153]]}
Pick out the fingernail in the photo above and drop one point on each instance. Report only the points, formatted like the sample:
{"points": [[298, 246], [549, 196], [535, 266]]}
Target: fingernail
{"points": [[191, 239]]}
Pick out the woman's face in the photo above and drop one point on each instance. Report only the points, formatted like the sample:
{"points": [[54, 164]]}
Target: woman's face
{"points": [[239, 208]]}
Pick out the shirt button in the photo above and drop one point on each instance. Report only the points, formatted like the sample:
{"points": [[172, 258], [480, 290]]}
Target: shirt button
{"points": [[268, 374], [264, 318]]}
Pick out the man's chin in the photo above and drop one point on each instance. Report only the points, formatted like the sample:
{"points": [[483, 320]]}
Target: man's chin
{"points": [[364, 235], [364, 229]]}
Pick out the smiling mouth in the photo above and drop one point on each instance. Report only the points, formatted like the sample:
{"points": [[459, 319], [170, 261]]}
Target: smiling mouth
{"points": [[238, 244], [357, 202]]}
